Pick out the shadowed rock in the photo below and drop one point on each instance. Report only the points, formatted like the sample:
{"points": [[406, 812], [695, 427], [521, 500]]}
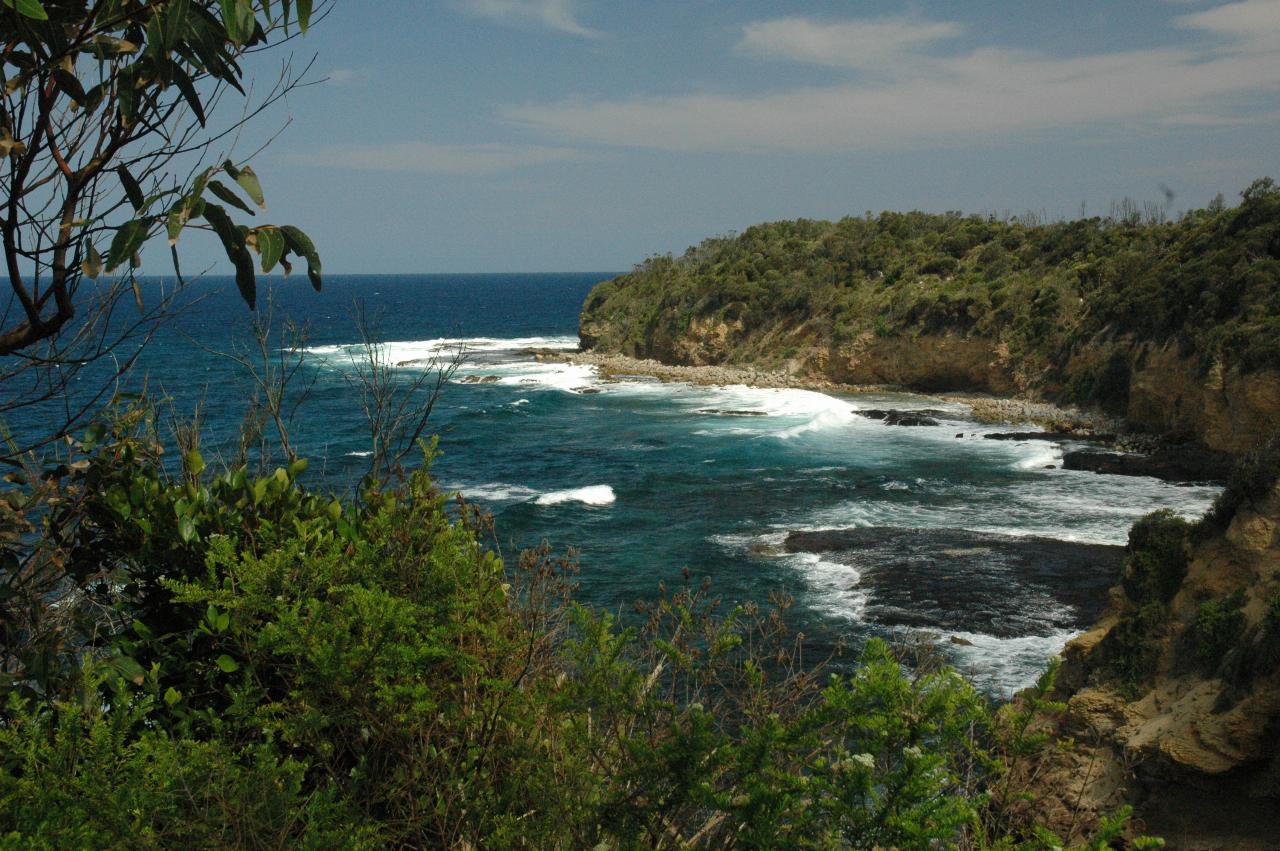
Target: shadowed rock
{"points": [[903, 418], [1172, 464], [962, 581]]}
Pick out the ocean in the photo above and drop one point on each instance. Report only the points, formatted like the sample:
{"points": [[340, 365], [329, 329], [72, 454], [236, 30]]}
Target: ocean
{"points": [[986, 548]]}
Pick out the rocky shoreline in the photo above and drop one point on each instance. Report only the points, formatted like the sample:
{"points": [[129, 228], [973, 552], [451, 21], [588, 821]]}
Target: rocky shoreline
{"points": [[988, 409], [1126, 452]]}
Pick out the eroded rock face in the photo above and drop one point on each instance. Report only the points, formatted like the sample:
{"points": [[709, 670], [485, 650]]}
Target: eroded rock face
{"points": [[1193, 724], [937, 362], [1160, 391]]}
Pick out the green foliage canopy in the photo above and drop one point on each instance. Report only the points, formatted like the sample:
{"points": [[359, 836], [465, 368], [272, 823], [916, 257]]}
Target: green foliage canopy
{"points": [[105, 137]]}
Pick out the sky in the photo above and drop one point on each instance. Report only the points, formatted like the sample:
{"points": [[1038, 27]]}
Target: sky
{"points": [[586, 135]]}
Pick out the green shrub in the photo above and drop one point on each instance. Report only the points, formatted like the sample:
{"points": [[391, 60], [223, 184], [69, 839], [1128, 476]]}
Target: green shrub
{"points": [[273, 667], [1218, 627], [1156, 558]]}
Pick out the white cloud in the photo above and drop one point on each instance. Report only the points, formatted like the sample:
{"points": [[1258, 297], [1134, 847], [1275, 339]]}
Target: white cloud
{"points": [[852, 44], [425, 157], [1251, 21], [987, 93], [554, 14]]}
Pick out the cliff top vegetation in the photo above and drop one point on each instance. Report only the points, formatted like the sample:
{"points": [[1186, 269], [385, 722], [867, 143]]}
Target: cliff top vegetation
{"points": [[1207, 281]]}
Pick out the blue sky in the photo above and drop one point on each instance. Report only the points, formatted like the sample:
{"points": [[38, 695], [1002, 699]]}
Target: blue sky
{"points": [[558, 135]]}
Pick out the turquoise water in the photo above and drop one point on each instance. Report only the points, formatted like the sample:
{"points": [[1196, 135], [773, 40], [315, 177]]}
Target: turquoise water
{"points": [[644, 479]]}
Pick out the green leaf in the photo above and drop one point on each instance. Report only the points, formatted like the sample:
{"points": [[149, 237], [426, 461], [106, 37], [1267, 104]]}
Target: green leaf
{"points": [[70, 85], [248, 181], [270, 246], [304, 14], [225, 194], [237, 18], [297, 468], [173, 23], [183, 211], [237, 252], [131, 187], [299, 243], [195, 462], [93, 434], [187, 530], [129, 669], [227, 664], [28, 8], [188, 89], [172, 696], [92, 263], [128, 239]]}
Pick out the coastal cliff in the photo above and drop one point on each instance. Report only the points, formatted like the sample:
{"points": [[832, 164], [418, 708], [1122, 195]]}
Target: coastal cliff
{"points": [[1173, 697], [1173, 326]]}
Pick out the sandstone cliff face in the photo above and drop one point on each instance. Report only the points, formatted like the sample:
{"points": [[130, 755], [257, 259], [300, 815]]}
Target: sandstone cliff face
{"points": [[1161, 392], [938, 362], [1202, 736], [1224, 409]]}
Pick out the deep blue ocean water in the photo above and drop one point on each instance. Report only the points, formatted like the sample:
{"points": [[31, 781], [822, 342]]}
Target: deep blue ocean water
{"points": [[644, 479]]}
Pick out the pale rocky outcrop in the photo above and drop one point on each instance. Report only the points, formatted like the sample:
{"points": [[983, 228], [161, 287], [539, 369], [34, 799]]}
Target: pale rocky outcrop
{"points": [[1188, 736]]}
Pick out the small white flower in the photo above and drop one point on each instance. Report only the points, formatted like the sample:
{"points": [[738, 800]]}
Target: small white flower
{"points": [[866, 760]]}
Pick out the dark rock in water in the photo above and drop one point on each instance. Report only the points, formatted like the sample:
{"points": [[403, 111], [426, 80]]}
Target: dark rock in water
{"points": [[480, 379], [963, 642], [1170, 463], [959, 435], [544, 354], [1051, 436], [588, 391], [724, 412], [903, 418], [961, 581]]}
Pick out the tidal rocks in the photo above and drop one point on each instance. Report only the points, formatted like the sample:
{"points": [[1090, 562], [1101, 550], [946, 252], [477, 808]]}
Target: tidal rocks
{"points": [[962, 581], [903, 418], [1052, 436], [1170, 463], [479, 379]]}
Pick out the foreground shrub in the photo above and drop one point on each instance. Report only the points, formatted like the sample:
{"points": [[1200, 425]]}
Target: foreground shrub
{"points": [[251, 664]]}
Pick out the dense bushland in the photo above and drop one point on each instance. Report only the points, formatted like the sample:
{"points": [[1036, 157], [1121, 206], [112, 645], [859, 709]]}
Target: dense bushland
{"points": [[198, 658], [1209, 281]]}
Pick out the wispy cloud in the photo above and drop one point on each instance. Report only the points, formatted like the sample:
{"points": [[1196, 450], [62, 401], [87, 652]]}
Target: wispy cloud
{"points": [[555, 14], [425, 157], [919, 96], [1255, 22], [849, 44]]}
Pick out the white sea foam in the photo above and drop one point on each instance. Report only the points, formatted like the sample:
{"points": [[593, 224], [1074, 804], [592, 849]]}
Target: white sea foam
{"points": [[764, 411], [557, 376], [1002, 666], [403, 351], [518, 402], [833, 585], [589, 495], [492, 491], [1039, 456], [361, 454], [1077, 507]]}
